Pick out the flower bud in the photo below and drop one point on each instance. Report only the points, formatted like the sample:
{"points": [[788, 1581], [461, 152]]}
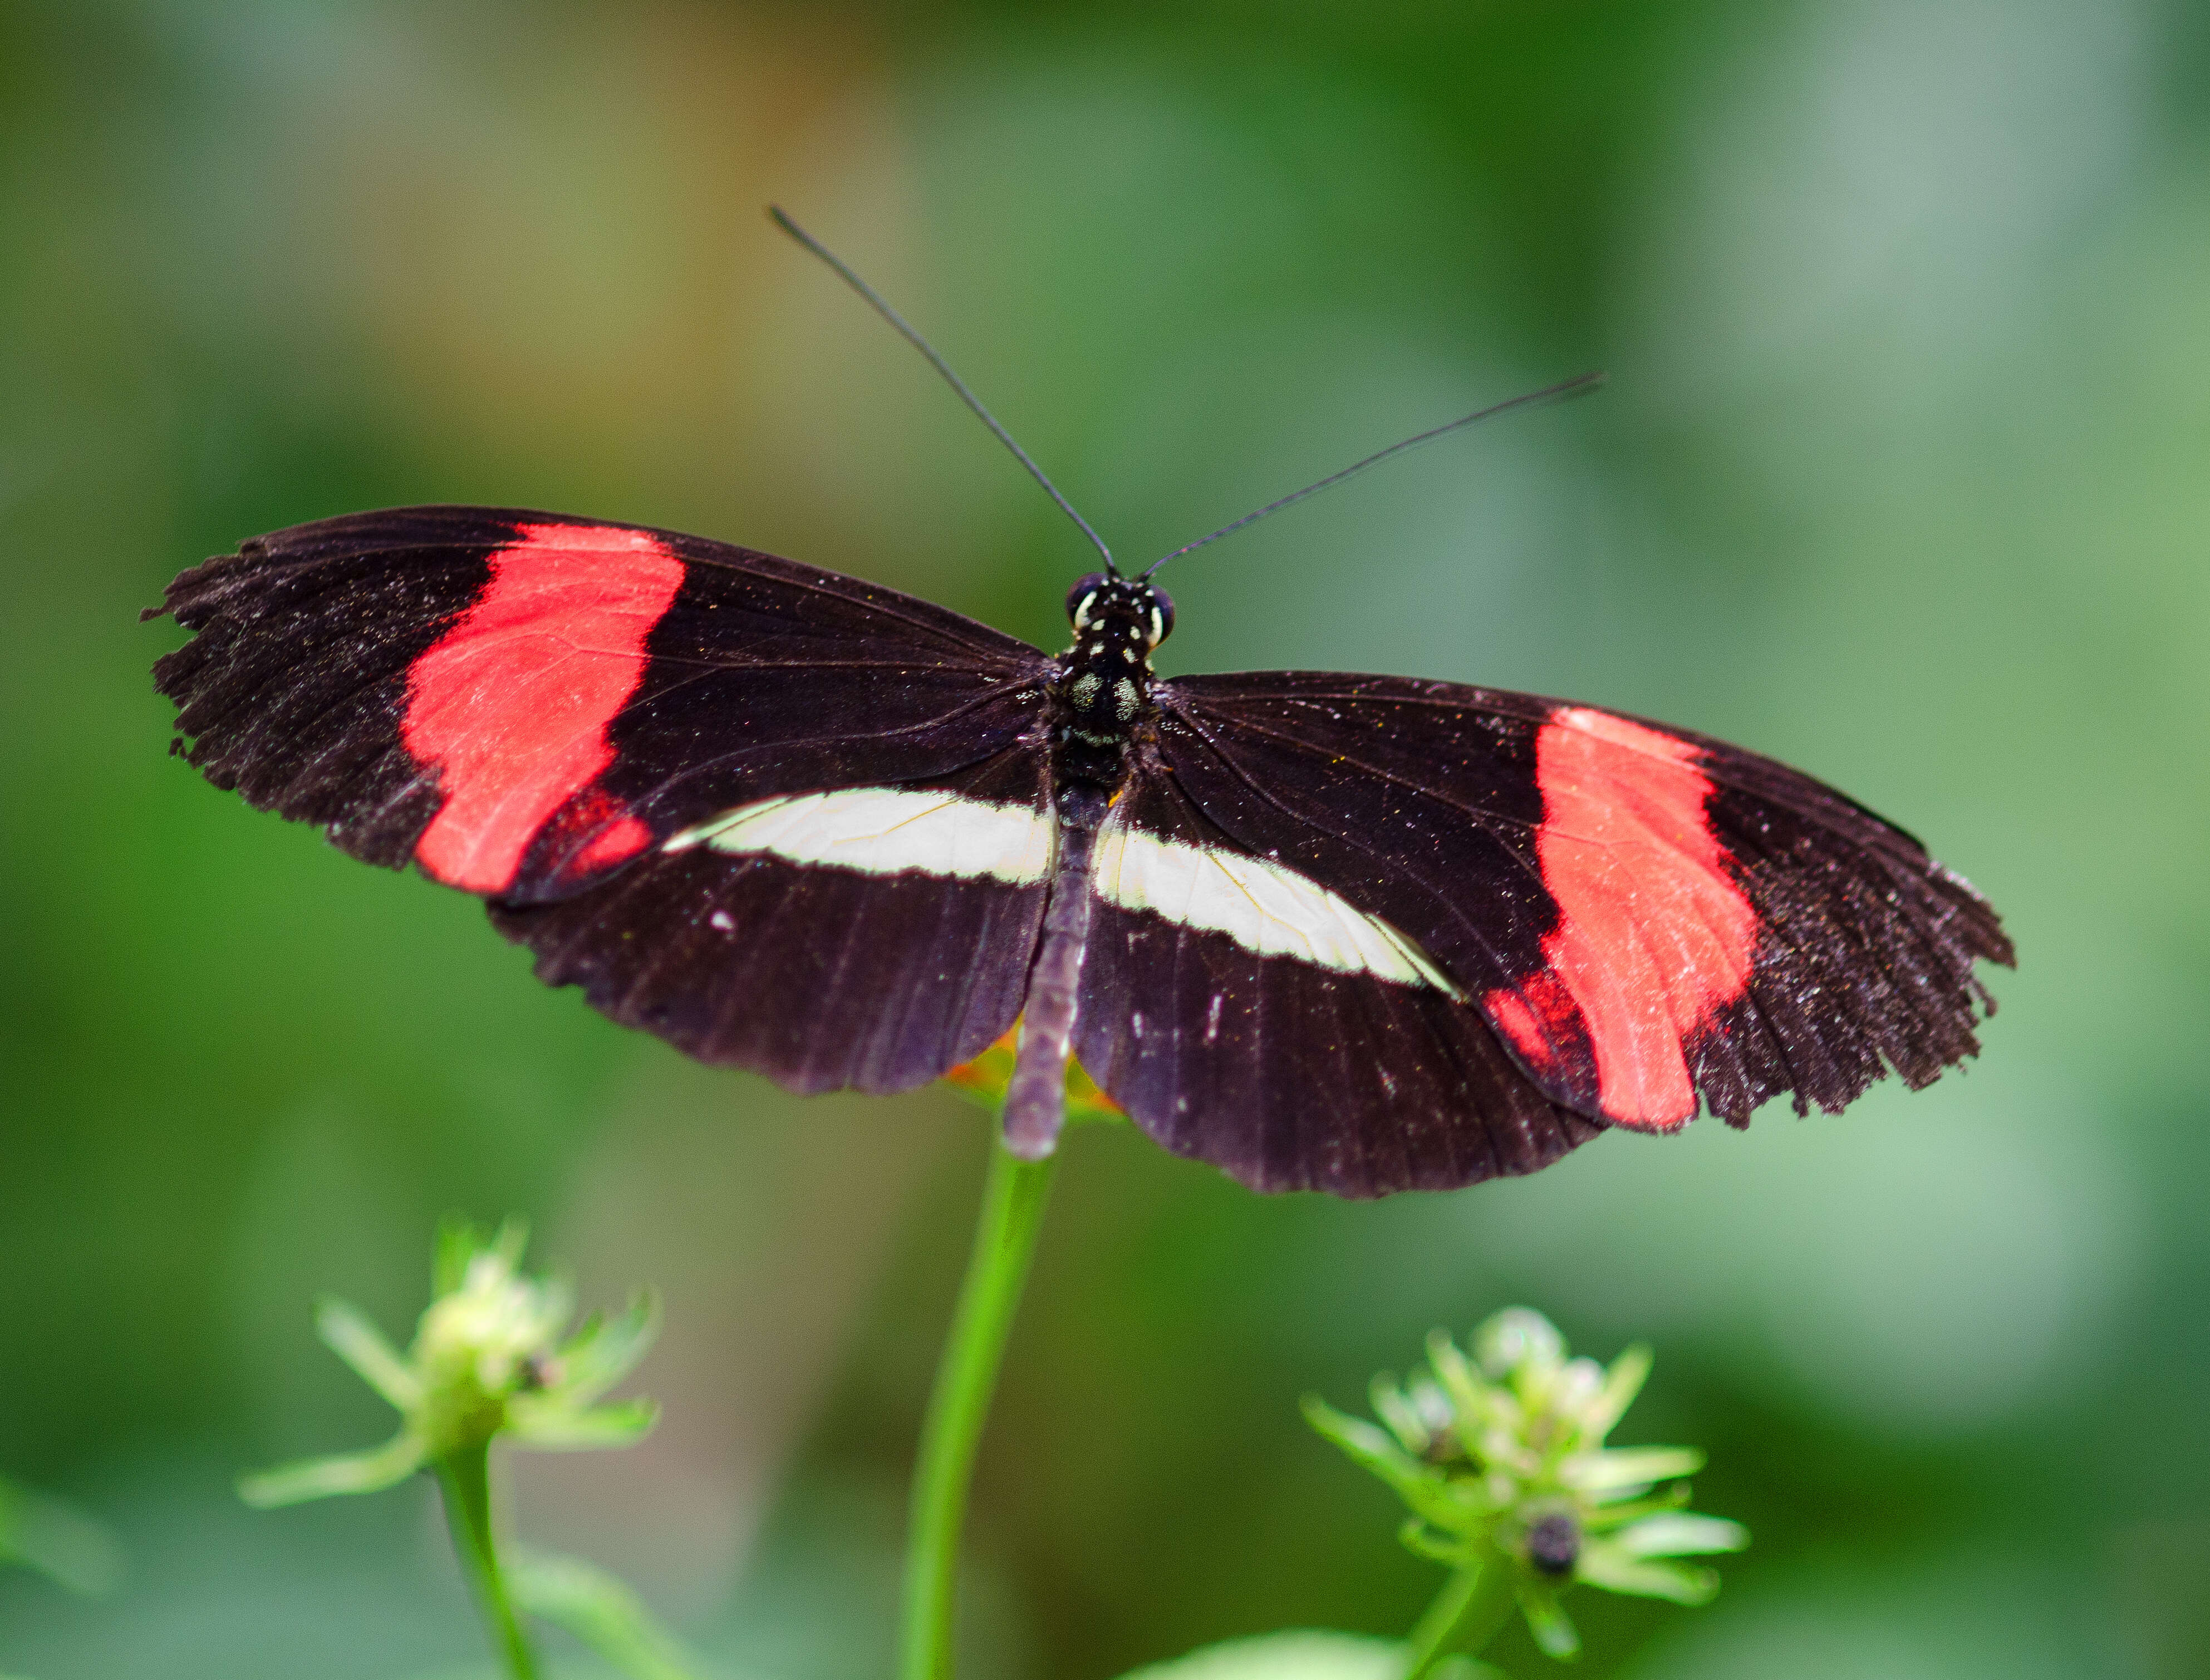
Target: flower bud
{"points": [[487, 1361], [1501, 1459]]}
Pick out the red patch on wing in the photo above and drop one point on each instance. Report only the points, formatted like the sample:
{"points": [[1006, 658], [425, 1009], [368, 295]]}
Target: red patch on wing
{"points": [[1653, 937], [624, 837], [511, 705], [1534, 1018]]}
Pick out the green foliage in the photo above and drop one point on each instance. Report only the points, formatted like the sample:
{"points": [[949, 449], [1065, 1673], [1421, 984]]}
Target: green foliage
{"points": [[1304, 1656], [487, 1362], [1501, 1458], [599, 1609], [57, 1540]]}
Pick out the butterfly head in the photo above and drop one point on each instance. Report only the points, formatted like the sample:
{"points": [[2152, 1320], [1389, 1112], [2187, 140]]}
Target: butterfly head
{"points": [[1102, 607], [1104, 682]]}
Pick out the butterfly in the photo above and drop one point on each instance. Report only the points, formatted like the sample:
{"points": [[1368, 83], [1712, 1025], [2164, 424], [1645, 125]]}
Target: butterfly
{"points": [[1353, 934]]}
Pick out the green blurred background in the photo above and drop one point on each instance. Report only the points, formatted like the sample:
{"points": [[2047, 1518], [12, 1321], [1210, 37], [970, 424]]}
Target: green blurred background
{"points": [[1903, 475]]}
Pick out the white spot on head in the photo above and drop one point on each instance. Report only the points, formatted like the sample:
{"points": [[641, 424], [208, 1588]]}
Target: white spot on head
{"points": [[1158, 627], [1128, 654], [1082, 610]]}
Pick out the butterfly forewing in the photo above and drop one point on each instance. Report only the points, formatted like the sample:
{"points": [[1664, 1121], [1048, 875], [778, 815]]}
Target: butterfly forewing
{"points": [[1645, 918], [522, 702]]}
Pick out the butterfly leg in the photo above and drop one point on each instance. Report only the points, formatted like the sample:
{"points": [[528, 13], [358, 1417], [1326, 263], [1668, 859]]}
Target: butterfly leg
{"points": [[1036, 1099]]}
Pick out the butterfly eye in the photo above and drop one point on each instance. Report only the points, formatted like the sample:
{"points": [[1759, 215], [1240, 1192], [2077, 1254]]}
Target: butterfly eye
{"points": [[1162, 615], [1082, 597]]}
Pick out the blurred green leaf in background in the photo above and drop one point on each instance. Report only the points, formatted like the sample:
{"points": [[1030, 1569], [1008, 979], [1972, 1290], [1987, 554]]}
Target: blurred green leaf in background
{"points": [[57, 1540], [1898, 476]]}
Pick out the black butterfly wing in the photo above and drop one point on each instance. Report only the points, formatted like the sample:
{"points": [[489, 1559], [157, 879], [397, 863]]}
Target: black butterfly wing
{"points": [[1245, 1015], [1642, 916], [522, 701], [536, 708], [829, 940]]}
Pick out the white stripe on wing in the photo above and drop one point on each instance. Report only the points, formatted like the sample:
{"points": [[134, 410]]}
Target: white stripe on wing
{"points": [[1263, 906], [887, 832]]}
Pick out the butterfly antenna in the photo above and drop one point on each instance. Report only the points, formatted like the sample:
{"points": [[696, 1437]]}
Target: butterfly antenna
{"points": [[1564, 388], [781, 220]]}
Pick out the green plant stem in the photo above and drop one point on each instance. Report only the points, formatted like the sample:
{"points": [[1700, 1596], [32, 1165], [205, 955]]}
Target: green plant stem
{"points": [[1005, 1239], [464, 1478], [1464, 1617]]}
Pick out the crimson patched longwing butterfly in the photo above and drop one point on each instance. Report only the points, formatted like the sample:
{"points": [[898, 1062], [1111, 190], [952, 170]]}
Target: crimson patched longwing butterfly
{"points": [[1354, 934]]}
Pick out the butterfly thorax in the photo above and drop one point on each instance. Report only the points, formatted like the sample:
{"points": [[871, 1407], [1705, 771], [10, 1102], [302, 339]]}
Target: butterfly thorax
{"points": [[1101, 697], [1103, 691]]}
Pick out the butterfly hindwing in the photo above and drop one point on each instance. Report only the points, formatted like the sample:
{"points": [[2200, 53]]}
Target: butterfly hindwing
{"points": [[1645, 917], [1245, 1017], [871, 937], [523, 702]]}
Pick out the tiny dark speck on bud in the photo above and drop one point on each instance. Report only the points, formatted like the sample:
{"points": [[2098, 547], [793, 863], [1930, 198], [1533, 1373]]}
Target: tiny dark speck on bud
{"points": [[1554, 1543]]}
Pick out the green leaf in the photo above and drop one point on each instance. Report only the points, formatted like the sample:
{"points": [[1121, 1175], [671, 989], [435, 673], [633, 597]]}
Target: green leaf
{"points": [[1422, 1541], [370, 1472], [1365, 1442], [1478, 1408], [512, 1239], [1394, 1409], [458, 1241], [347, 1332], [555, 1302], [59, 1541], [1631, 1467], [1553, 1630], [1620, 1512], [1426, 1491], [1622, 1383], [1680, 1534], [601, 1611], [1603, 1564], [1285, 1656], [607, 1350], [559, 1427], [1469, 1394]]}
